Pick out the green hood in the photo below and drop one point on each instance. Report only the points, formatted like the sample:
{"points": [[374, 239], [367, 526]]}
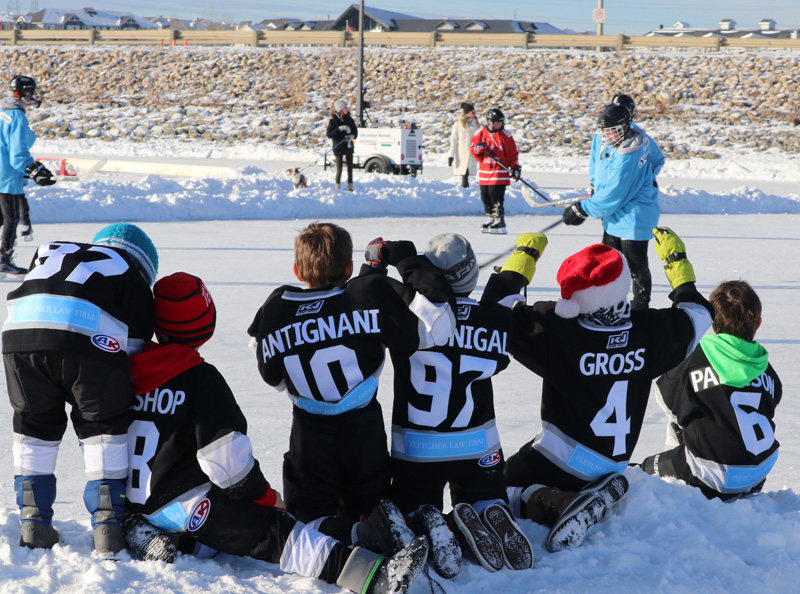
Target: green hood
{"points": [[736, 361]]}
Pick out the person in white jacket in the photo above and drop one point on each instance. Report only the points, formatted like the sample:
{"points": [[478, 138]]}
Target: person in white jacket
{"points": [[459, 157]]}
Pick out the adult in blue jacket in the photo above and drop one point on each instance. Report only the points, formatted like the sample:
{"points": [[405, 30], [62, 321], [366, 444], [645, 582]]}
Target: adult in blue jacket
{"points": [[16, 163], [656, 155], [625, 194]]}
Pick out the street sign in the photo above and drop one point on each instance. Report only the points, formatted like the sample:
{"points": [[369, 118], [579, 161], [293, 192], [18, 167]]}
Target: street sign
{"points": [[599, 15]]}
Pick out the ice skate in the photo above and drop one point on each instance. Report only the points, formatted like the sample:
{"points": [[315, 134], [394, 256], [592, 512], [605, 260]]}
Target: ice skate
{"points": [[498, 227], [445, 551], [385, 530], [395, 574], [8, 267]]}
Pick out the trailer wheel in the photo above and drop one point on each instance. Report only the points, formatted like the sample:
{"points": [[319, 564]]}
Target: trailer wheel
{"points": [[377, 165]]}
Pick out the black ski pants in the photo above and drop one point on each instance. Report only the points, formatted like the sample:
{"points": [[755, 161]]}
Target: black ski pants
{"points": [[336, 465], [416, 483], [41, 383], [635, 253], [9, 207], [491, 196], [529, 467], [673, 463], [24, 211], [348, 158], [246, 529]]}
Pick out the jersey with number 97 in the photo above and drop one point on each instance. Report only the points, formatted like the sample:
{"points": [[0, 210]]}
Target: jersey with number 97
{"points": [[81, 297], [448, 389]]}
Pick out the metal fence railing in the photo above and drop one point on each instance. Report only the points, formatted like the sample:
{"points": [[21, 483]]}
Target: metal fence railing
{"points": [[384, 39]]}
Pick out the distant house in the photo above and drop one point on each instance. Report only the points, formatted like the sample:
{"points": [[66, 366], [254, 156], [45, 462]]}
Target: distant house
{"points": [[379, 20], [6, 22], [767, 29], [64, 19]]}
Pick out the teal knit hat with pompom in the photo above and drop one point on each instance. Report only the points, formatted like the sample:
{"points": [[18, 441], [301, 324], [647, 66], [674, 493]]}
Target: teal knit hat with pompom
{"points": [[134, 241]]}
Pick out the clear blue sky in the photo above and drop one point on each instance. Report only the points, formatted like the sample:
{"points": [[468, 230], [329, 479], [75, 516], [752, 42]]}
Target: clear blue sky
{"points": [[622, 16]]}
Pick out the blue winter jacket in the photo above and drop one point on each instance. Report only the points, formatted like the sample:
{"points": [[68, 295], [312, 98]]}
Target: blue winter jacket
{"points": [[625, 195], [16, 140]]}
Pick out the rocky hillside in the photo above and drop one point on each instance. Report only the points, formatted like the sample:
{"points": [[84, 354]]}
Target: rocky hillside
{"points": [[550, 98]]}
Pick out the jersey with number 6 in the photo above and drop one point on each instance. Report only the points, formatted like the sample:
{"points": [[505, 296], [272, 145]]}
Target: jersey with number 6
{"points": [[723, 425], [597, 379], [80, 297], [448, 389]]}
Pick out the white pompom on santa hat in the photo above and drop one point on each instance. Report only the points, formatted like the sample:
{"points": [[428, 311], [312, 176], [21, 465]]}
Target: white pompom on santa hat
{"points": [[595, 278]]}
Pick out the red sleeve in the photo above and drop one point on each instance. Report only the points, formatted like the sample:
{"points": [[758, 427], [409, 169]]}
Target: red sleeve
{"points": [[511, 152], [476, 138]]}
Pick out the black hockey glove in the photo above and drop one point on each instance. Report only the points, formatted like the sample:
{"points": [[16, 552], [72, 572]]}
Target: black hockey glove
{"points": [[516, 173], [375, 255], [480, 148], [574, 214], [40, 174], [397, 251]]}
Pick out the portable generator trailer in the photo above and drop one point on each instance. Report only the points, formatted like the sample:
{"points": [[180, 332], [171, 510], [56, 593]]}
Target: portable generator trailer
{"points": [[387, 150]]}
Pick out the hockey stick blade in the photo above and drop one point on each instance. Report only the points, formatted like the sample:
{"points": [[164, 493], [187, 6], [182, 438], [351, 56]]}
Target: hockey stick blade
{"points": [[496, 257], [562, 203]]}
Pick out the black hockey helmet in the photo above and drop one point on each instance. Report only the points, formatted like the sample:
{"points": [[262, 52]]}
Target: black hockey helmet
{"points": [[495, 115], [614, 122], [625, 101], [24, 87]]}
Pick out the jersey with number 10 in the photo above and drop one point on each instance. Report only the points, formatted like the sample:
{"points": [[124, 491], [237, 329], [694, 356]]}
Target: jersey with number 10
{"points": [[80, 297]]}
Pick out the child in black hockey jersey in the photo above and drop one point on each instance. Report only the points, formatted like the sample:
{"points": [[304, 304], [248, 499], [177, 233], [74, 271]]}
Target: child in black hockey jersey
{"points": [[324, 346], [444, 429], [597, 359], [192, 466], [81, 311], [720, 403]]}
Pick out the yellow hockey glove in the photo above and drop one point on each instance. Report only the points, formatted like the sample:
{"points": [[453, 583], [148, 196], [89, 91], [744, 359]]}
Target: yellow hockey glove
{"points": [[672, 251], [529, 249]]}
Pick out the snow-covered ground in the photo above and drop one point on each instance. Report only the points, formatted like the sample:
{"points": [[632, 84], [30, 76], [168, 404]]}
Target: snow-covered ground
{"points": [[738, 216]]}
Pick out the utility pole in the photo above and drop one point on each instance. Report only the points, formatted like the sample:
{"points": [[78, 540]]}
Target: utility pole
{"points": [[602, 19], [360, 81]]}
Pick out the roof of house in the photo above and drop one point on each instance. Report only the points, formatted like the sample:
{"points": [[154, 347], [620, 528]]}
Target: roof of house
{"points": [[88, 16]]}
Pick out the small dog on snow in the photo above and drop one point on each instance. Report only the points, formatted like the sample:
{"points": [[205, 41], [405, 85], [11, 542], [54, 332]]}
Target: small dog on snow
{"points": [[298, 179]]}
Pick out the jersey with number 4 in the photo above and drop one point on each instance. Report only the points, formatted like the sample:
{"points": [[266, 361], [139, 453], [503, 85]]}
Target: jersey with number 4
{"points": [[728, 431], [597, 379], [186, 432], [80, 297], [443, 400]]}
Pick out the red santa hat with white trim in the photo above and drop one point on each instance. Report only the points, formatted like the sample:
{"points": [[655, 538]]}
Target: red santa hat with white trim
{"points": [[595, 278]]}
